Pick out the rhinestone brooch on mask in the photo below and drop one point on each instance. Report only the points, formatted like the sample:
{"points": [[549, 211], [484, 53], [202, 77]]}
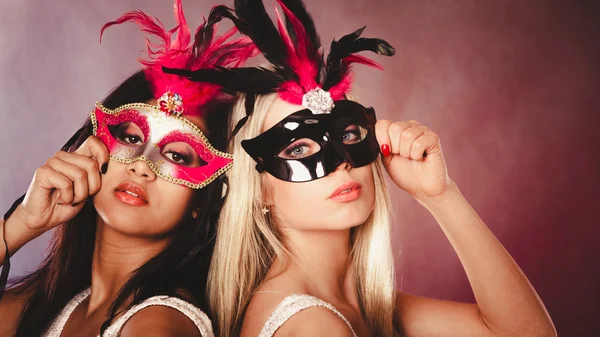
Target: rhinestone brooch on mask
{"points": [[318, 101], [171, 104]]}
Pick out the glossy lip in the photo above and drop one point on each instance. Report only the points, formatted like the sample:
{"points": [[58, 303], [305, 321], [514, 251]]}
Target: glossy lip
{"points": [[348, 187], [133, 188]]}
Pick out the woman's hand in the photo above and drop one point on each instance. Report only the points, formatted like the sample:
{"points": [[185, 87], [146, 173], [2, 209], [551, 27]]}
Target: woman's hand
{"points": [[412, 155], [61, 186]]}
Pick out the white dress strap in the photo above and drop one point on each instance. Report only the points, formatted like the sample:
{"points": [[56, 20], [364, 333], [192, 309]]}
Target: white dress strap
{"points": [[292, 305], [196, 315], [55, 330]]}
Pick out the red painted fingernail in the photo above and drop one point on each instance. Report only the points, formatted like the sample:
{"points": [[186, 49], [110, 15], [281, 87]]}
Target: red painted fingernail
{"points": [[385, 150]]}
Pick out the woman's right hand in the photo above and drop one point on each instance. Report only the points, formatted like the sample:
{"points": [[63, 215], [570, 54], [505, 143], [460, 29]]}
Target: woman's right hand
{"points": [[60, 187]]}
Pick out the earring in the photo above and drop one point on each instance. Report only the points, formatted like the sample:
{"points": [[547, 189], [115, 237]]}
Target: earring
{"points": [[265, 210]]}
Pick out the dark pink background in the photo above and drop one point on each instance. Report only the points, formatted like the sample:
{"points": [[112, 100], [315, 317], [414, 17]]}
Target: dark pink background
{"points": [[511, 87]]}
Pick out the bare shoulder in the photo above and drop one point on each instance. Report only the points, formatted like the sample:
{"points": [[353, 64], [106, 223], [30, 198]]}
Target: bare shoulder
{"points": [[315, 321], [12, 304], [160, 320], [258, 311]]}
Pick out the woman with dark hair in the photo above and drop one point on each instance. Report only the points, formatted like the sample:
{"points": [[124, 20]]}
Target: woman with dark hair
{"points": [[133, 197]]}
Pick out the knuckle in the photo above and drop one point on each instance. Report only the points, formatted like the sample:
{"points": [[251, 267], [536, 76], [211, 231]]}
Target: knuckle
{"points": [[396, 128], [66, 184], [42, 170], [92, 165], [409, 133], [59, 154], [51, 161], [80, 174], [418, 144], [95, 188]]}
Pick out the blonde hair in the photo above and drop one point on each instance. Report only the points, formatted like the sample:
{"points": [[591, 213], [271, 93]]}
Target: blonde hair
{"points": [[247, 242]]}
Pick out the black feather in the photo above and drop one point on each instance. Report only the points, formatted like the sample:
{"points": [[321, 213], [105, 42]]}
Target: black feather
{"points": [[299, 10], [256, 23], [346, 46], [257, 81], [203, 38]]}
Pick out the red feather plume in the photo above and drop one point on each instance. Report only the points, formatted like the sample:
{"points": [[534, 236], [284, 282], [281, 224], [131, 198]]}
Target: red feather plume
{"points": [[181, 53]]}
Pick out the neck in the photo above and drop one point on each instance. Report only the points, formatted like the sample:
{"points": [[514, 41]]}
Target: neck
{"points": [[321, 259], [116, 257]]}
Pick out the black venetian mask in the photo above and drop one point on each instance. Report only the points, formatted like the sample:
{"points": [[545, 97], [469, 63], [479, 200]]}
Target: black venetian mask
{"points": [[305, 146]]}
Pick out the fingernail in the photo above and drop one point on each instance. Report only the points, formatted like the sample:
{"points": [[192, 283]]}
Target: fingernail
{"points": [[385, 150], [104, 168]]}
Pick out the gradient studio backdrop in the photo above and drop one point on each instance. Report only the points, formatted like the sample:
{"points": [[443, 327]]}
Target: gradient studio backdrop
{"points": [[511, 87]]}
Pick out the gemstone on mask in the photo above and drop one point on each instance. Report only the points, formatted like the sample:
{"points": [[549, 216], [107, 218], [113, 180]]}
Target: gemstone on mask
{"points": [[318, 101], [171, 103]]}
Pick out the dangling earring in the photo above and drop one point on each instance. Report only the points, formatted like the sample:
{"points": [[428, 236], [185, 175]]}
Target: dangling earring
{"points": [[265, 210], [195, 214]]}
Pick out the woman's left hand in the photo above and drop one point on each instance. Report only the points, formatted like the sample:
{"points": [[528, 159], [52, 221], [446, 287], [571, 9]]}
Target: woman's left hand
{"points": [[412, 155]]}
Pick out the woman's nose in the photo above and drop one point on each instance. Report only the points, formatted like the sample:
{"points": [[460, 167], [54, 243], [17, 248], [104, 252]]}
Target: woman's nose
{"points": [[141, 169]]}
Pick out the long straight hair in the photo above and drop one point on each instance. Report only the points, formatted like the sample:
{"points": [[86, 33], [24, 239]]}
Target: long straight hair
{"points": [[248, 243], [181, 266]]}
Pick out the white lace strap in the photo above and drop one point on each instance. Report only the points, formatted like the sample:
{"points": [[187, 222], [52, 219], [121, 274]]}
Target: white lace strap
{"points": [[292, 305], [55, 330], [196, 315]]}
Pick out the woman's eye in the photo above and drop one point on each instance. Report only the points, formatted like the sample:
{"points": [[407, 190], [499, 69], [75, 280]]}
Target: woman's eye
{"points": [[302, 148], [177, 158], [127, 133], [132, 139], [354, 134], [350, 136], [298, 150]]}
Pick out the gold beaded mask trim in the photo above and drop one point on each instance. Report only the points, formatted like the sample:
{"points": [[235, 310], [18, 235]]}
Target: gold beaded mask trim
{"points": [[174, 148]]}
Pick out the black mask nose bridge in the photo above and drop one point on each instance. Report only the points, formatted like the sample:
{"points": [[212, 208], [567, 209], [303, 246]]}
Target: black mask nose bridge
{"points": [[339, 151]]}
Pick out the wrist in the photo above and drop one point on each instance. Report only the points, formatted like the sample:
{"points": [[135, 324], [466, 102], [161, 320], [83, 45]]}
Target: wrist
{"points": [[447, 198], [16, 232]]}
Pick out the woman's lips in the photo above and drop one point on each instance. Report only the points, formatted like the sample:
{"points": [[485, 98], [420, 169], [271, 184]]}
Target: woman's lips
{"points": [[346, 192], [131, 194]]}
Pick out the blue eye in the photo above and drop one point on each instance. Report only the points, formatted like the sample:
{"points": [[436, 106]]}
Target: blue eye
{"points": [[300, 149], [354, 134], [350, 136]]}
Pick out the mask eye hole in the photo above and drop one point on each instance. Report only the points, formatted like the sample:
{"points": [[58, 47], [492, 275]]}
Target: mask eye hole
{"points": [[301, 148], [182, 154], [354, 134], [127, 133]]}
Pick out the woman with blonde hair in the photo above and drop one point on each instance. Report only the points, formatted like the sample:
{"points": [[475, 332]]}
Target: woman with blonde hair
{"points": [[303, 244]]}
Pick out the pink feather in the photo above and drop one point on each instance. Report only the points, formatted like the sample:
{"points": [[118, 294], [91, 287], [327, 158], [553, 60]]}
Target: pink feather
{"points": [[298, 56], [180, 54]]}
